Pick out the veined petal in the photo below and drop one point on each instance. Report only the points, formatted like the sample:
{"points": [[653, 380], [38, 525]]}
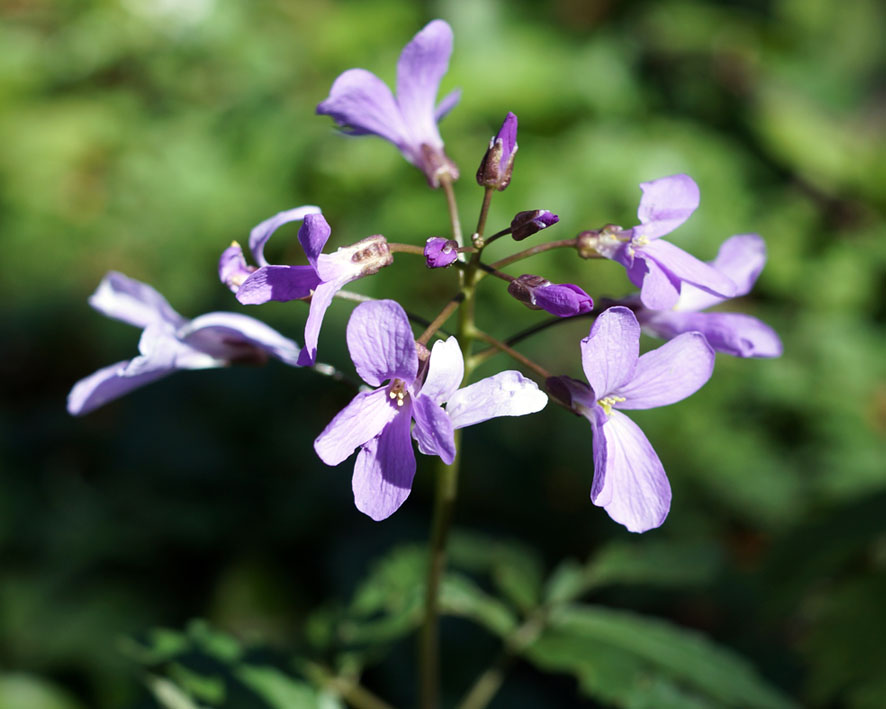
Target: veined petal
{"points": [[384, 471], [668, 374], [689, 269], [447, 103], [313, 235], [507, 393], [446, 369], [381, 342], [735, 334], [433, 429], [659, 289], [238, 338], [609, 352], [363, 104], [109, 383], [280, 283], [160, 348], [422, 65], [356, 424], [260, 233], [124, 298], [320, 302], [666, 204], [629, 480]]}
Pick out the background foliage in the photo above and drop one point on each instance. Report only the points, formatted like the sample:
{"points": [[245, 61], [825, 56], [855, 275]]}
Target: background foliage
{"points": [[145, 135]]}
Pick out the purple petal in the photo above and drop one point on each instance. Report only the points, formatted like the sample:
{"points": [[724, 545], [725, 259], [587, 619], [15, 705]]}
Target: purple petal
{"points": [[440, 252], [313, 235], [666, 204], [571, 391], [422, 65], [447, 103], [381, 342], [686, 267], [433, 429], [609, 352], [507, 134], [668, 374], [629, 480], [564, 300], [507, 393], [108, 384], [260, 234], [280, 283], [320, 302], [124, 298], [384, 471], [356, 424], [659, 289], [160, 346], [735, 334], [237, 338], [232, 268], [446, 369], [363, 104]]}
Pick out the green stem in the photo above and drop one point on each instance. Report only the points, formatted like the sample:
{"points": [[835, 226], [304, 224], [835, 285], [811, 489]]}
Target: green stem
{"points": [[522, 359], [350, 690], [438, 321], [526, 253], [446, 183], [406, 248], [484, 212]]}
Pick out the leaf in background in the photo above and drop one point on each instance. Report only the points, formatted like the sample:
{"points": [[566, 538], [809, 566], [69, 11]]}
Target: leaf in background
{"points": [[207, 688], [393, 582], [160, 645], [624, 657], [462, 597], [32, 692], [170, 695], [280, 691], [223, 647]]}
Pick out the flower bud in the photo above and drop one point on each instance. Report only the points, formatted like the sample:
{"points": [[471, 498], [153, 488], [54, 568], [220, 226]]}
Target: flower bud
{"points": [[440, 252], [563, 300], [526, 224], [498, 163]]}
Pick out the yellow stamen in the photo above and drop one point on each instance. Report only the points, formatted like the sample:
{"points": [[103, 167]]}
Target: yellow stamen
{"points": [[608, 402]]}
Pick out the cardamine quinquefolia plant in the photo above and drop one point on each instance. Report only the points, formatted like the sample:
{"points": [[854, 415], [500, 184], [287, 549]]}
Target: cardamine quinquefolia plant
{"points": [[419, 391]]}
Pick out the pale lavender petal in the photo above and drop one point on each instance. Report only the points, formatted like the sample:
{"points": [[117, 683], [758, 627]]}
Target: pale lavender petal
{"points": [[160, 347], [260, 234], [687, 268], [666, 204], [422, 65], [232, 268], [507, 393], [132, 301], [563, 300], [362, 103], [313, 235], [447, 103], [735, 334], [629, 480], [660, 289], [280, 283], [356, 424], [320, 302], [108, 384], [609, 352], [668, 374], [433, 429], [381, 342], [446, 369], [384, 471], [238, 338]]}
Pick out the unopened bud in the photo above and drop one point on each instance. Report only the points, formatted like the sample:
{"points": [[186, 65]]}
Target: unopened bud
{"points": [[440, 252], [564, 300], [526, 224], [498, 163], [371, 254]]}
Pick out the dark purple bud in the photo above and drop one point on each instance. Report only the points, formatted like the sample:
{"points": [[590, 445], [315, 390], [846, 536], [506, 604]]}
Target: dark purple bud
{"points": [[498, 163], [563, 300], [440, 252], [528, 223]]}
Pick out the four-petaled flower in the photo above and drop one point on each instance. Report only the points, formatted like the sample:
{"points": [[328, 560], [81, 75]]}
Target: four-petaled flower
{"points": [[363, 104], [741, 258], [629, 480], [655, 266], [325, 275], [170, 342], [382, 347]]}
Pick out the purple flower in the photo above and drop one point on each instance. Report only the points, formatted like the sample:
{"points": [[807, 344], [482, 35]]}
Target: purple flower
{"points": [[655, 266], [325, 275], [378, 422], [525, 224], [564, 300], [629, 480], [498, 163], [741, 258], [363, 104], [169, 342], [440, 252]]}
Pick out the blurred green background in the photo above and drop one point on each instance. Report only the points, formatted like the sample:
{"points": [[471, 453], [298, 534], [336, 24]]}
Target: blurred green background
{"points": [[145, 135]]}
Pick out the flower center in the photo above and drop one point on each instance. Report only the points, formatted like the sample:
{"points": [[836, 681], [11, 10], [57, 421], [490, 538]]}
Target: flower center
{"points": [[608, 402], [397, 392]]}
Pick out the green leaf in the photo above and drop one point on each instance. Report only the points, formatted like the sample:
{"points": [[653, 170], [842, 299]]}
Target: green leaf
{"points": [[638, 661], [160, 645], [170, 695], [279, 690], [18, 691], [393, 582], [223, 647], [462, 597], [206, 688]]}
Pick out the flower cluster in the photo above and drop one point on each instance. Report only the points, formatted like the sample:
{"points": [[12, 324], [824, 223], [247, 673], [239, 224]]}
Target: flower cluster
{"points": [[417, 391]]}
